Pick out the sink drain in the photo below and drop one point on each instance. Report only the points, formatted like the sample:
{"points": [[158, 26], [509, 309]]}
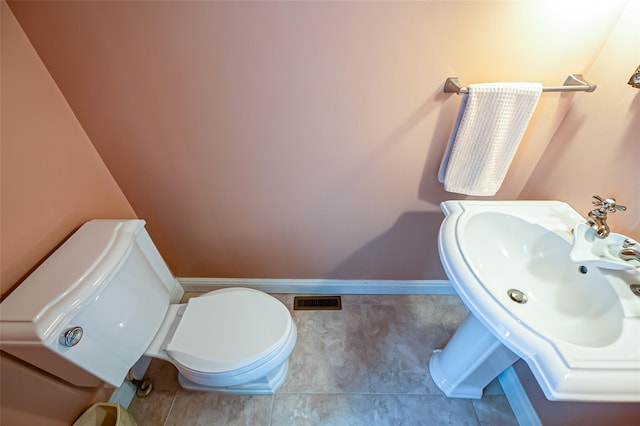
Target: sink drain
{"points": [[635, 289], [517, 296]]}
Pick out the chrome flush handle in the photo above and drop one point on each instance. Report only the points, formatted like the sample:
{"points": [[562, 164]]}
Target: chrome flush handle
{"points": [[71, 336]]}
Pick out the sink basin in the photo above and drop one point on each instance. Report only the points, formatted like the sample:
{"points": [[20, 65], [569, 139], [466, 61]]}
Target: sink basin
{"points": [[506, 252], [577, 326]]}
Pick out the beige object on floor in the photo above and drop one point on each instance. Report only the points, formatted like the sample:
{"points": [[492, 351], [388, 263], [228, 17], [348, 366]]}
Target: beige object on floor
{"points": [[105, 414]]}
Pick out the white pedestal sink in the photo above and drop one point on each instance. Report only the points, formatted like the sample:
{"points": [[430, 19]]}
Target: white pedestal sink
{"points": [[579, 326]]}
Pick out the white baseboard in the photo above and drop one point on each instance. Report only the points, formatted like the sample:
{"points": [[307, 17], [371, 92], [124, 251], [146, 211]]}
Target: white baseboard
{"points": [[520, 404], [319, 286]]}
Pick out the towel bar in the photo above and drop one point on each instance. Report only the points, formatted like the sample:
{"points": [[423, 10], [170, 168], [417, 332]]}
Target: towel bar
{"points": [[573, 83]]}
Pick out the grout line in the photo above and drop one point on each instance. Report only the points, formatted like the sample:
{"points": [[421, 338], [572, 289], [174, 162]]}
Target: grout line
{"points": [[173, 401], [273, 401], [367, 393], [475, 411]]}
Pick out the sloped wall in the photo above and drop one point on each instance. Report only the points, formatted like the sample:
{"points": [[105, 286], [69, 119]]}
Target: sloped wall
{"points": [[52, 181], [596, 150]]}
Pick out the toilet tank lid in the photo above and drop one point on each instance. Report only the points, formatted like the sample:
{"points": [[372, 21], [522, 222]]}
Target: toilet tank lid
{"points": [[67, 280]]}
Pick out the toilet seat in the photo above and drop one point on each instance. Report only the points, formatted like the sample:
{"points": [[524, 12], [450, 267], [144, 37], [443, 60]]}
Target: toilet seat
{"points": [[231, 336]]}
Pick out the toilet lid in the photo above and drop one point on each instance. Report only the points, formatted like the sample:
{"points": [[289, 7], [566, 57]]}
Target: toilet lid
{"points": [[229, 329]]}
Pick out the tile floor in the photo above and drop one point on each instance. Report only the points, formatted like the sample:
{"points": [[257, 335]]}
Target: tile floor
{"points": [[366, 364]]}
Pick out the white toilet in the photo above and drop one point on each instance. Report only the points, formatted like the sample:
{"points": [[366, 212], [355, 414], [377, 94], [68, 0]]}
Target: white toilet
{"points": [[102, 301]]}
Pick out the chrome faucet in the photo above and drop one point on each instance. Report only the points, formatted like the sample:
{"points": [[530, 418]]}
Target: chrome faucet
{"points": [[598, 217], [628, 252]]}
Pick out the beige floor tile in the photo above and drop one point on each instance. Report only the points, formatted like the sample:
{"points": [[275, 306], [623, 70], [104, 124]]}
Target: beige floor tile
{"points": [[322, 409], [494, 410], [493, 388], [418, 410], [452, 315], [328, 355], [447, 299], [153, 409], [163, 375], [386, 299], [400, 341], [212, 409]]}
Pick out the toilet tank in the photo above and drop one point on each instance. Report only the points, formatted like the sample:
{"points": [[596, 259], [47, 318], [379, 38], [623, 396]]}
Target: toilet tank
{"points": [[107, 278]]}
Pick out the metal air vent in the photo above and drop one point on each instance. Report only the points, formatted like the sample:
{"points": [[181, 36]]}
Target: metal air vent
{"points": [[317, 303]]}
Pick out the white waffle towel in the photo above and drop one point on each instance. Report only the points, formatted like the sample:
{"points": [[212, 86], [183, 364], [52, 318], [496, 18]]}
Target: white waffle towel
{"points": [[491, 121]]}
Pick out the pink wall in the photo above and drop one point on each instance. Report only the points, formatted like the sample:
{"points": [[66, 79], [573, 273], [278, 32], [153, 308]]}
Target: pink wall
{"points": [[302, 139], [52, 181]]}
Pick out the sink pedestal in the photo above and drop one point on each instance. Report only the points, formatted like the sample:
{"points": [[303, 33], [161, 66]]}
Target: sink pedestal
{"points": [[470, 361]]}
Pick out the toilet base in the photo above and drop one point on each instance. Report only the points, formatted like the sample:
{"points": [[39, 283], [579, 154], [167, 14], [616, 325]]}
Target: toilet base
{"points": [[266, 385]]}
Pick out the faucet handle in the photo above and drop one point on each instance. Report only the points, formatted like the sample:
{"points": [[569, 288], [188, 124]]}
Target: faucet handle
{"points": [[620, 208], [607, 204]]}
